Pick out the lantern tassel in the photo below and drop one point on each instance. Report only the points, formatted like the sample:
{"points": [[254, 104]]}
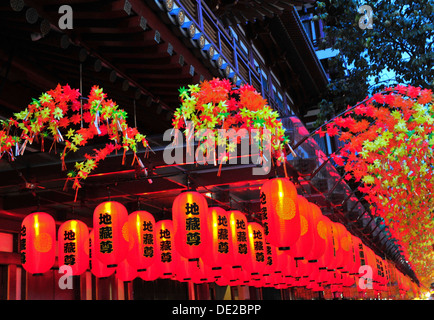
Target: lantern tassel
{"points": [[76, 193], [63, 159], [53, 145], [23, 147], [284, 168], [138, 161], [123, 157], [76, 186]]}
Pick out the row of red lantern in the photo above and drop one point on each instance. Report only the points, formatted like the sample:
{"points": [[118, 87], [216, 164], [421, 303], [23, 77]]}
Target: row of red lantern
{"points": [[266, 265], [217, 237]]}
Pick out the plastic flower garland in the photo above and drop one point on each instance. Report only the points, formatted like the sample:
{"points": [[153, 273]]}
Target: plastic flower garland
{"points": [[216, 104], [389, 146], [57, 114]]}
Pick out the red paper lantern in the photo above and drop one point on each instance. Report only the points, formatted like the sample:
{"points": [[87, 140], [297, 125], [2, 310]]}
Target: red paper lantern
{"points": [[189, 214], [228, 275], [280, 215], [141, 231], [238, 223], [303, 268], [324, 239], [73, 238], [382, 271], [354, 261], [111, 238], [337, 259], [151, 273], [359, 255], [305, 243], [165, 249], [97, 268], [256, 259], [372, 262], [220, 250], [332, 255], [125, 271], [38, 238], [319, 229], [347, 249], [271, 256], [192, 271]]}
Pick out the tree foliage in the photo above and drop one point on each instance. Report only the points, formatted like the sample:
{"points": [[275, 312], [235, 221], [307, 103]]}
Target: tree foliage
{"points": [[397, 50]]}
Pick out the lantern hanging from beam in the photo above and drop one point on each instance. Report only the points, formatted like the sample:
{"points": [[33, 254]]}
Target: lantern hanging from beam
{"points": [[220, 250], [238, 224], [97, 268], [73, 239], [319, 230], [165, 249], [111, 237], [256, 260], [189, 214], [141, 232], [37, 243], [126, 271], [304, 245], [280, 213], [346, 248]]}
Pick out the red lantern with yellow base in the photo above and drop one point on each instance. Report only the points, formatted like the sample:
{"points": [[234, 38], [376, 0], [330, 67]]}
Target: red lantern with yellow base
{"points": [[37, 244]]}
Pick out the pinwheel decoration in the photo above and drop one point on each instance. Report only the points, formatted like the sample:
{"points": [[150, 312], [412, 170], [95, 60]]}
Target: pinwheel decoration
{"points": [[59, 114], [216, 104]]}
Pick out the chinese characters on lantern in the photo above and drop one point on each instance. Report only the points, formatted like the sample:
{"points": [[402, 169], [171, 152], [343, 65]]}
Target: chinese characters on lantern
{"points": [[69, 248], [23, 243], [148, 239], [241, 236], [166, 245], [192, 224], [105, 233], [264, 213], [223, 234], [258, 245]]}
